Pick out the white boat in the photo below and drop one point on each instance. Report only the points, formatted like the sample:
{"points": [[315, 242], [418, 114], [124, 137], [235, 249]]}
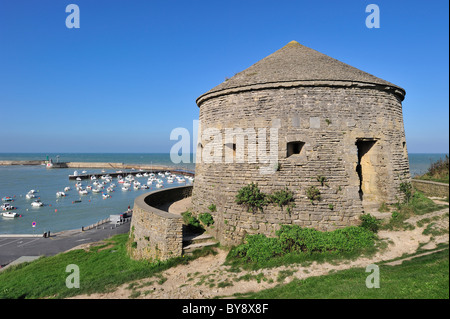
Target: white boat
{"points": [[60, 194], [9, 214], [125, 188], [136, 187], [109, 189], [66, 189], [145, 186], [37, 203], [7, 199], [83, 192], [89, 187], [96, 190], [105, 196], [84, 172], [78, 179], [32, 191], [7, 207], [159, 185], [29, 196], [93, 177]]}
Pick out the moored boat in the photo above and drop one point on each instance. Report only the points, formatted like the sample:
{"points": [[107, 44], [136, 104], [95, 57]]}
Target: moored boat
{"points": [[10, 214]]}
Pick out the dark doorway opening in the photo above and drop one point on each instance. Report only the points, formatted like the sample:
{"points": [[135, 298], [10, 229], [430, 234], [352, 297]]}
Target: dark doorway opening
{"points": [[364, 167]]}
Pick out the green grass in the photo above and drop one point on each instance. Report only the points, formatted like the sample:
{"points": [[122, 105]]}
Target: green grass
{"points": [[418, 205], [425, 277], [101, 270], [295, 244]]}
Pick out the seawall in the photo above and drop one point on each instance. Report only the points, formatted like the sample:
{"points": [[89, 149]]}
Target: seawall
{"points": [[431, 188], [104, 165]]}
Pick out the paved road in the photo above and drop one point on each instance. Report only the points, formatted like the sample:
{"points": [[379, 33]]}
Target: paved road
{"points": [[13, 247]]}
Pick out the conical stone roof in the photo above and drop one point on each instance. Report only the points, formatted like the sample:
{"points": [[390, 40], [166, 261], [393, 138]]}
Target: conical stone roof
{"points": [[297, 65]]}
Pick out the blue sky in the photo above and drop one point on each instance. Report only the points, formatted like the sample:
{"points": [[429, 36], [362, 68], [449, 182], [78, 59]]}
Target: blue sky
{"points": [[132, 71]]}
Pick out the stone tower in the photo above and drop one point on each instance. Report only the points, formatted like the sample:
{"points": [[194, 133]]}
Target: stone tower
{"points": [[336, 129]]}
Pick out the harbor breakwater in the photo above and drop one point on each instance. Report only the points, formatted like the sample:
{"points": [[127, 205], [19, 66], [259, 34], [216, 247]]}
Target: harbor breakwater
{"points": [[103, 165]]}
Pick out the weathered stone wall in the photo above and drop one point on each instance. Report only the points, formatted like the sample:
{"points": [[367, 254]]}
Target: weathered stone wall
{"points": [[157, 234], [431, 188], [329, 121]]}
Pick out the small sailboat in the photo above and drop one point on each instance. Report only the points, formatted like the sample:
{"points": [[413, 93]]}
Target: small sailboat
{"points": [[60, 194]]}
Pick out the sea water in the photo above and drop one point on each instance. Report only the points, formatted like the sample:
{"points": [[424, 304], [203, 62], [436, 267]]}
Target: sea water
{"points": [[64, 213]]}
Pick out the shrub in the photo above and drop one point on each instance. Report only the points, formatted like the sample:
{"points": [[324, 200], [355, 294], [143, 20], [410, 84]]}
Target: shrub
{"points": [[191, 222], [295, 239], [212, 208], [308, 240], [206, 219], [251, 197], [321, 179], [257, 248], [313, 193], [283, 198], [439, 168], [369, 222], [406, 189]]}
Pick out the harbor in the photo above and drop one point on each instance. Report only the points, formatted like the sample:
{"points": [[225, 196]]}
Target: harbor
{"points": [[73, 209], [126, 173]]}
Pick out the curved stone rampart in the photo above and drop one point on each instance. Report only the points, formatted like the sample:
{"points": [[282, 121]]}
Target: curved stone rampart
{"points": [[156, 234]]}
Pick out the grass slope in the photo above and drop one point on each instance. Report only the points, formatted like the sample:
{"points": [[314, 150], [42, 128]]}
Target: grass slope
{"points": [[425, 277]]}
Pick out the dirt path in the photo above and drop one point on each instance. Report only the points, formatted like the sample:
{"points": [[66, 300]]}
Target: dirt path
{"points": [[207, 277]]}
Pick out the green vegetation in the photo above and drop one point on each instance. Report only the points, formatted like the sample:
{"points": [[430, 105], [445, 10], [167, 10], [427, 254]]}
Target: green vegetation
{"points": [[283, 198], [102, 268], [192, 223], [251, 197], [438, 171], [419, 204], [206, 219], [291, 240], [212, 208], [322, 180], [313, 193], [369, 222], [407, 190], [425, 277]]}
